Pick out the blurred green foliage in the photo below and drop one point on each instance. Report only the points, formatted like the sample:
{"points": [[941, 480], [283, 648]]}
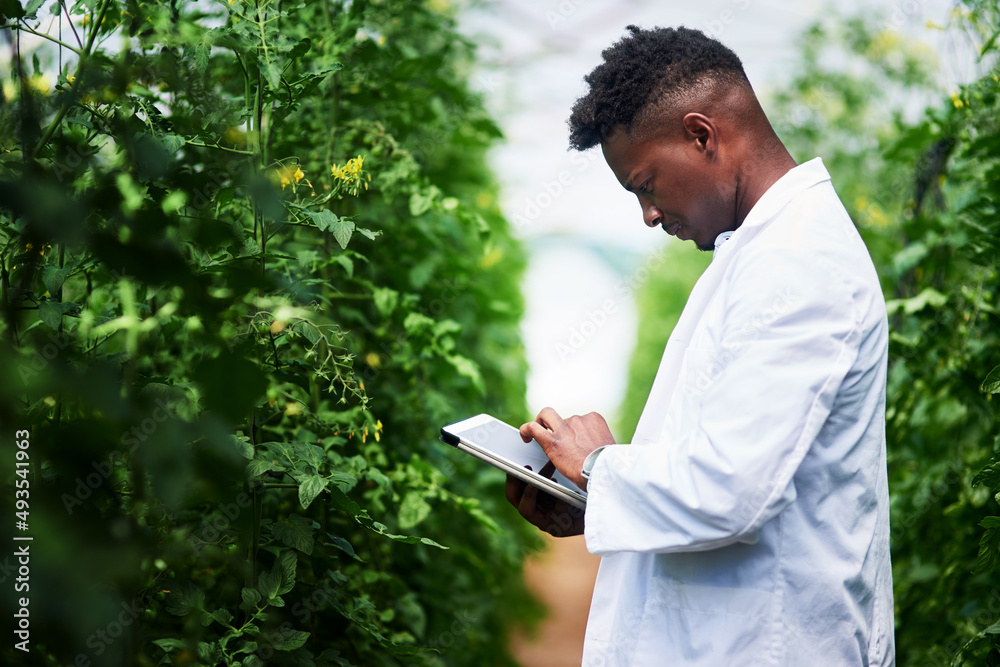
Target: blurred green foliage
{"points": [[251, 261], [923, 189]]}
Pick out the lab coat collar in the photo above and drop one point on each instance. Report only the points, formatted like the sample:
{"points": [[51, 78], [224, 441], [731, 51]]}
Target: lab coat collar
{"points": [[782, 191]]}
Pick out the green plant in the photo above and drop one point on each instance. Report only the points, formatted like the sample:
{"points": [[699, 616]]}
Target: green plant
{"points": [[251, 260]]}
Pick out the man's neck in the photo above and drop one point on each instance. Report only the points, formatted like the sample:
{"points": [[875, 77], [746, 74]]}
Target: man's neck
{"points": [[756, 177]]}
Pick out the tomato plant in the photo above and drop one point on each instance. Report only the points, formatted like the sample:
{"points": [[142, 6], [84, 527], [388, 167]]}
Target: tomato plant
{"points": [[251, 260]]}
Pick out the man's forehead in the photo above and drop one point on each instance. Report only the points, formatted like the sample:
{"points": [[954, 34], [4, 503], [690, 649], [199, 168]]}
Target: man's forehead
{"points": [[620, 152]]}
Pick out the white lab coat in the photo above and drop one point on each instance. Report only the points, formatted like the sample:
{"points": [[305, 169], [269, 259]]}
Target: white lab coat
{"points": [[748, 522]]}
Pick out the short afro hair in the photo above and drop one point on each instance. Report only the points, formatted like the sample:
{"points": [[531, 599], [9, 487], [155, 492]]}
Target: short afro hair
{"points": [[645, 67]]}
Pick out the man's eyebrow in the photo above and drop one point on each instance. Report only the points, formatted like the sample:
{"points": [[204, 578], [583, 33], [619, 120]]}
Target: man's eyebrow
{"points": [[628, 184]]}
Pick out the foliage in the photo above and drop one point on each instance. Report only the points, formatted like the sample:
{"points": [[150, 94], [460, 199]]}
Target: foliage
{"points": [[923, 192], [660, 302], [251, 261]]}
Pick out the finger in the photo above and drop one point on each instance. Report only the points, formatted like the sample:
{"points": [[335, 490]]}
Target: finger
{"points": [[550, 419], [528, 506], [514, 489], [536, 431], [548, 470], [525, 431]]}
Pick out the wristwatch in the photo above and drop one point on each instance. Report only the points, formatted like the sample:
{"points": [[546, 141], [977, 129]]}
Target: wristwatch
{"points": [[588, 463]]}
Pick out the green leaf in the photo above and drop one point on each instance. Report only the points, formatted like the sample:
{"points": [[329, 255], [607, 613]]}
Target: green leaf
{"points": [[296, 532], [251, 597], [272, 72], [285, 567], [268, 583], [468, 368], [417, 322], [928, 297], [243, 445], [53, 277], [990, 474], [223, 616], [421, 202], [310, 454], [258, 467], [991, 385], [170, 644], [341, 229], [309, 488], [183, 599], [347, 263], [300, 49], [385, 300], [51, 312], [989, 545], [344, 545], [32, 8], [290, 640], [413, 510]]}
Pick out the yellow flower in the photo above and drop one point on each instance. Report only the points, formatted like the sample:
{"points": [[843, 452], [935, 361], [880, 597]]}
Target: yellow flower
{"points": [[957, 101], [40, 82], [70, 78], [491, 258], [286, 175], [350, 171]]}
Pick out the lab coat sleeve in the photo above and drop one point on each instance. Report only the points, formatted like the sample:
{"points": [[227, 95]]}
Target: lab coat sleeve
{"points": [[745, 410]]}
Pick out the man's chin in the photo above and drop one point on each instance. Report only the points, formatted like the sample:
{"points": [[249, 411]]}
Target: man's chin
{"points": [[705, 247]]}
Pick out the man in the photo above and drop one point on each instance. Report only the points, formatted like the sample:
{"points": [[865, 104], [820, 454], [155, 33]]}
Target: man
{"points": [[747, 521]]}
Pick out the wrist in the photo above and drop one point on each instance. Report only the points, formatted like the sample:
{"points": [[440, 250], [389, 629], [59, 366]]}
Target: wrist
{"points": [[588, 465]]}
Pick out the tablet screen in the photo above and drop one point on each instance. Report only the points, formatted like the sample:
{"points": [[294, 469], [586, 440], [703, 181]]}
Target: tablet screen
{"points": [[500, 439]]}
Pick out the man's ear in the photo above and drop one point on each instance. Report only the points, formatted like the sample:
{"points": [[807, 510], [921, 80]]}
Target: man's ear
{"points": [[702, 130]]}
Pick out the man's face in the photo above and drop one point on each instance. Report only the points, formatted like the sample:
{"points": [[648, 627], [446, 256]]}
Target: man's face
{"points": [[680, 185]]}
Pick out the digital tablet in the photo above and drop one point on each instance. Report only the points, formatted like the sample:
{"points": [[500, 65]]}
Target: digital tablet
{"points": [[499, 444]]}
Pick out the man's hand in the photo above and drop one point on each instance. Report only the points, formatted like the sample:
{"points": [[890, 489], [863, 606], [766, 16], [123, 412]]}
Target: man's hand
{"points": [[567, 442], [556, 517]]}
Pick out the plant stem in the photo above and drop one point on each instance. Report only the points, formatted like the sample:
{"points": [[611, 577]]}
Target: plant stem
{"points": [[84, 56], [25, 28]]}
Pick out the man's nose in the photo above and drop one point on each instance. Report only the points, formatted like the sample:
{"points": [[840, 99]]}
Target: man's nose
{"points": [[651, 215]]}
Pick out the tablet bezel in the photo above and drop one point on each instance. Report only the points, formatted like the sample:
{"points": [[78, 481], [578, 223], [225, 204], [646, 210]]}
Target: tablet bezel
{"points": [[574, 498]]}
